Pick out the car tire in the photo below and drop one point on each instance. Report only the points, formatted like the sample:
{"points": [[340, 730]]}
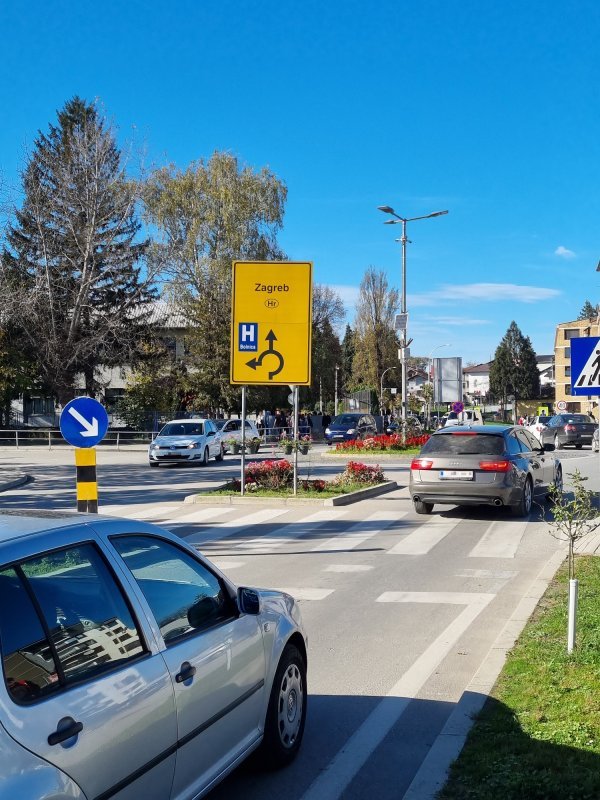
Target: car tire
{"points": [[578, 446], [205, 457], [421, 507], [557, 444], [153, 463], [286, 712], [557, 483], [221, 454], [523, 507]]}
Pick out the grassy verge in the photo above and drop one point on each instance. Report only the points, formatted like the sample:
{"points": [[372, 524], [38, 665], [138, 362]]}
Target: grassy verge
{"points": [[312, 493], [363, 451], [538, 736]]}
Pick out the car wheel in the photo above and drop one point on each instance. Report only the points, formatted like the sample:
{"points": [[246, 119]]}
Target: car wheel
{"points": [[221, 454], [523, 508], [153, 463], [422, 508], [578, 446], [205, 457], [286, 712], [557, 444], [557, 484]]}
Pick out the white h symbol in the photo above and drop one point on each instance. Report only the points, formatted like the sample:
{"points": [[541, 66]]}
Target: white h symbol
{"points": [[247, 333]]}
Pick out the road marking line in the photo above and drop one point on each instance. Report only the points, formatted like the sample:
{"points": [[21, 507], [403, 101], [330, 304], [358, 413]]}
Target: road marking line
{"points": [[226, 528], [227, 565], [501, 540], [445, 598], [351, 758], [205, 514], [133, 513], [358, 533], [347, 568], [423, 539], [307, 594]]}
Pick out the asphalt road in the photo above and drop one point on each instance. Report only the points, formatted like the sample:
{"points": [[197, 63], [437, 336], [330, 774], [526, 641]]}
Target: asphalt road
{"points": [[406, 614]]}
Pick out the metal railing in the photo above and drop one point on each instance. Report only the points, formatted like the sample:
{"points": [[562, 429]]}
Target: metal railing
{"points": [[52, 438]]}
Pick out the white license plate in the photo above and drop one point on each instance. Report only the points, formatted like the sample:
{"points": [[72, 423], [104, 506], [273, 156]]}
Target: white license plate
{"points": [[457, 474]]}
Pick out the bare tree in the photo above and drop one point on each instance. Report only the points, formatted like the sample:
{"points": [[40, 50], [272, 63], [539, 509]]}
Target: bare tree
{"points": [[71, 273]]}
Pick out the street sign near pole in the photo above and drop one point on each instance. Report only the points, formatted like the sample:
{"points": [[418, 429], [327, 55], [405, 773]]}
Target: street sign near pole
{"points": [[271, 322], [84, 422], [585, 365]]}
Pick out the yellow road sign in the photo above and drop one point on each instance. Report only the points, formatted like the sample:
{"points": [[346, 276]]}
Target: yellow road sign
{"points": [[271, 322]]}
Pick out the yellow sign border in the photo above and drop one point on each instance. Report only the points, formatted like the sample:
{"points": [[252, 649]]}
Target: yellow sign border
{"points": [[287, 381]]}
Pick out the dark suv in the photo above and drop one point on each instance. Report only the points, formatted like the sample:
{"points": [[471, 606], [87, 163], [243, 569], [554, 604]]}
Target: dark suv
{"points": [[346, 427], [489, 464]]}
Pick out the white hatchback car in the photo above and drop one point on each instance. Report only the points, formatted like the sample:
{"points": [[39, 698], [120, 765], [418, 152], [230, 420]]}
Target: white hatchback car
{"points": [[131, 667], [230, 430], [185, 440]]}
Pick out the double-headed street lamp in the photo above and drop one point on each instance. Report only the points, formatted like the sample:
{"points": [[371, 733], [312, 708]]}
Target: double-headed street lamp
{"points": [[403, 333]]}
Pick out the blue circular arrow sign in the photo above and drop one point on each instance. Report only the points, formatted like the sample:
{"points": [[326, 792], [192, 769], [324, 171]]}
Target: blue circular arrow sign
{"points": [[83, 422]]}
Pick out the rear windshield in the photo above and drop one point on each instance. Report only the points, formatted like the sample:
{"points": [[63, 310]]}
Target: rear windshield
{"points": [[573, 418], [182, 429], [464, 444]]}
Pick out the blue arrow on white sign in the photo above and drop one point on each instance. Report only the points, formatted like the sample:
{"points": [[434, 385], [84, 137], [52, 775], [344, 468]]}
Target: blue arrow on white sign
{"points": [[84, 422]]}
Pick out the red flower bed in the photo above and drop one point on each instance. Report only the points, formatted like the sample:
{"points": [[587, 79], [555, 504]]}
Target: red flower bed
{"points": [[383, 442]]}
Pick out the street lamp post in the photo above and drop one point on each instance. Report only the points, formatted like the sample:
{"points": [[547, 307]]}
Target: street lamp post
{"points": [[430, 368], [335, 402], [403, 333]]}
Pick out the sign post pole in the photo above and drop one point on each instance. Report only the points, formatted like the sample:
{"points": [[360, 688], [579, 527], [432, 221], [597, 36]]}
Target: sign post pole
{"points": [[295, 423], [83, 423], [243, 450]]}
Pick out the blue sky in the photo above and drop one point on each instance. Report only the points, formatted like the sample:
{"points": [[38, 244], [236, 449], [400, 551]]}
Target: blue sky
{"points": [[490, 110]]}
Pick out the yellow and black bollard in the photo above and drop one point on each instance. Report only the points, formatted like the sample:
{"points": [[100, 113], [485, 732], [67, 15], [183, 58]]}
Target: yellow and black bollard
{"points": [[87, 484]]}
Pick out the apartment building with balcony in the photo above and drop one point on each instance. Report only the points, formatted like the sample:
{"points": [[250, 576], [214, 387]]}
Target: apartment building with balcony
{"points": [[565, 332]]}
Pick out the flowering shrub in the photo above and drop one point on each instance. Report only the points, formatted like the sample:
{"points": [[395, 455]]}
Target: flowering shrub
{"points": [[273, 474], [383, 442], [356, 472], [316, 485]]}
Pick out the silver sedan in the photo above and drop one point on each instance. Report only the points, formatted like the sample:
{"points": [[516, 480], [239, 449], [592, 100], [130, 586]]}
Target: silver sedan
{"points": [[132, 667]]}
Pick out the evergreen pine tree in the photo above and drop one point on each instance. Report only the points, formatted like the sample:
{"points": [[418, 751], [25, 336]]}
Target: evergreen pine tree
{"points": [[588, 311], [71, 272], [514, 368]]}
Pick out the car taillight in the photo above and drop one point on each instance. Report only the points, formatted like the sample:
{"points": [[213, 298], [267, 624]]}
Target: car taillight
{"points": [[494, 466], [421, 463], [570, 428]]}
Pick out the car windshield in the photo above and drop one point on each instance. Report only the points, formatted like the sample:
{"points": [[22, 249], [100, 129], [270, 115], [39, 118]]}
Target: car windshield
{"points": [[456, 444], [219, 423], [575, 418], [345, 419], [543, 420], [182, 429]]}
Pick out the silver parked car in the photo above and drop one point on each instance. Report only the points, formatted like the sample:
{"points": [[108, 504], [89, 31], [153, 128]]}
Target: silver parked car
{"points": [[230, 431], [569, 429], [185, 440], [132, 667], [483, 464]]}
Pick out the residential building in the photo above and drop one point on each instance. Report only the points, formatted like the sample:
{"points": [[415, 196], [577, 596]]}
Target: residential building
{"points": [[565, 331], [476, 382]]}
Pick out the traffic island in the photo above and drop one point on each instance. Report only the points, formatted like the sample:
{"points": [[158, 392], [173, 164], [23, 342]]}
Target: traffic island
{"points": [[217, 496]]}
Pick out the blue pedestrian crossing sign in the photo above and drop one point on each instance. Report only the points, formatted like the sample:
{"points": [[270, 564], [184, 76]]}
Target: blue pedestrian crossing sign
{"points": [[585, 365], [84, 422]]}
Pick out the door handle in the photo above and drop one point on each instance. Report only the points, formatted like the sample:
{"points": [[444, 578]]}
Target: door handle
{"points": [[66, 729], [186, 671]]}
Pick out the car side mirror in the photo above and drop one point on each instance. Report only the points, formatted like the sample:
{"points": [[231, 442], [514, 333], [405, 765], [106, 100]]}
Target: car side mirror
{"points": [[248, 601], [548, 447], [210, 433]]}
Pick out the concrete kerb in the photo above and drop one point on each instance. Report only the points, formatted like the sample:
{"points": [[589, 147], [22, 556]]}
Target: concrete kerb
{"points": [[433, 772], [12, 480], [209, 498]]}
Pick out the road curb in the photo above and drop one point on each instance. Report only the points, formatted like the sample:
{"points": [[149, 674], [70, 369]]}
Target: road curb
{"points": [[19, 480], [340, 500], [433, 772]]}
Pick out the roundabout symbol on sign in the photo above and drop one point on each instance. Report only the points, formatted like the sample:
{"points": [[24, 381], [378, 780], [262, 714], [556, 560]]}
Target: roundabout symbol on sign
{"points": [[458, 407]]}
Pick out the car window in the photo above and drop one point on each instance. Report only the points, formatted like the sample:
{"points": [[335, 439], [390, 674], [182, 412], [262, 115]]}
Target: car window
{"points": [[73, 622], [463, 444], [182, 593], [248, 426], [534, 443], [514, 445], [182, 429], [526, 441], [577, 418], [219, 424]]}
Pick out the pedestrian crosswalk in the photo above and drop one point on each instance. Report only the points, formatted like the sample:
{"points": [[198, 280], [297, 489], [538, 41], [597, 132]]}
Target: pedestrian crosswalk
{"points": [[327, 530]]}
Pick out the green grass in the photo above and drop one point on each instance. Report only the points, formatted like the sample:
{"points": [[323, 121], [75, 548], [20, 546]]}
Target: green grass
{"points": [[328, 492], [538, 736]]}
